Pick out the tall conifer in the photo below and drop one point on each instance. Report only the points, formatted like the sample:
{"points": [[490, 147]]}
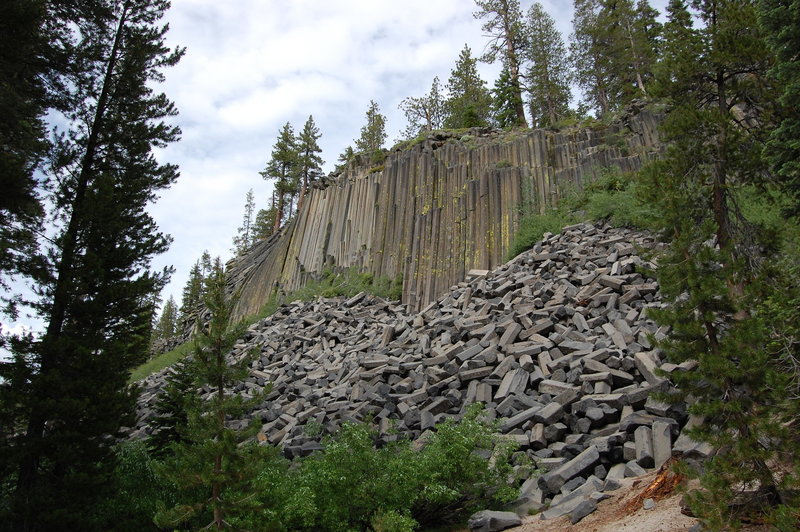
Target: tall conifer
{"points": [[97, 298], [373, 133], [715, 264], [241, 242], [504, 25], [308, 158], [468, 101], [211, 461], [781, 19], [283, 169], [548, 74]]}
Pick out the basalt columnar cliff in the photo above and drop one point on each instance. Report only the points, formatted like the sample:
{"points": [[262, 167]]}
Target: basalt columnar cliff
{"points": [[434, 211]]}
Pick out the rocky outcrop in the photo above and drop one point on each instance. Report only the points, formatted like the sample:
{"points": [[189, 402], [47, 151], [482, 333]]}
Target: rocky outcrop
{"points": [[556, 343], [434, 211]]}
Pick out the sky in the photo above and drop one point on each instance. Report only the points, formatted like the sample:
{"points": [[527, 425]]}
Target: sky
{"points": [[253, 65]]}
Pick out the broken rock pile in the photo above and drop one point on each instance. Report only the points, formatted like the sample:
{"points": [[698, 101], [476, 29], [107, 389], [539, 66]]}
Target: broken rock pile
{"points": [[555, 343]]}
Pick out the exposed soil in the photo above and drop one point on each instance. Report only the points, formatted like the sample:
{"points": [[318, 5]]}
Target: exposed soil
{"points": [[624, 511]]}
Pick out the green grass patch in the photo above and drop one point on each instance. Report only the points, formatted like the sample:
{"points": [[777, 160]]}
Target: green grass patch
{"points": [[159, 362], [613, 197], [348, 283], [531, 229], [345, 284]]}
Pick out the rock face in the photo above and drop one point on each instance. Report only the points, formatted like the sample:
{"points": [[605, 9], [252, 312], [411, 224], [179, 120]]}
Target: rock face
{"points": [[434, 211], [555, 343]]}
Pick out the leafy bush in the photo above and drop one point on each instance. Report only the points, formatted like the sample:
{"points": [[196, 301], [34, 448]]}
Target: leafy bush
{"points": [[354, 485], [135, 493]]}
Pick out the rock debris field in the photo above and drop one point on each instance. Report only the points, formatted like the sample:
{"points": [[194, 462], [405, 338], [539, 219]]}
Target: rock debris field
{"points": [[556, 344]]}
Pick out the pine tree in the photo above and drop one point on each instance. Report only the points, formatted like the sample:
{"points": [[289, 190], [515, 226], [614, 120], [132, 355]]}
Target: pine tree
{"points": [[24, 67], [468, 102], [505, 27], [177, 397], [283, 169], [781, 19], [424, 113], [344, 159], [715, 265], [167, 325], [614, 50], [505, 101], [241, 242], [213, 459], [679, 40], [191, 296], [588, 46], [262, 227], [309, 161], [96, 302], [373, 133], [548, 76]]}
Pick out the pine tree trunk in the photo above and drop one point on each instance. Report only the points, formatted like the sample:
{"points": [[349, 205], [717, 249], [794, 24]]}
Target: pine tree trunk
{"points": [[636, 62], [29, 462], [513, 68], [216, 487], [278, 213]]}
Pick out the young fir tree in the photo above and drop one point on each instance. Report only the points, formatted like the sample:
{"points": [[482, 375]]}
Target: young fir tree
{"points": [[241, 242], [96, 301], [715, 265], [192, 295], [373, 133], [167, 325], [263, 224], [548, 76], [504, 101], [283, 169], [424, 113], [468, 102], [344, 159], [212, 460], [175, 400], [781, 20], [308, 159], [505, 26]]}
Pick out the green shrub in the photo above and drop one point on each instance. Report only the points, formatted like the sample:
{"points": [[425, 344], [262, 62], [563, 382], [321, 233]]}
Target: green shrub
{"points": [[352, 485], [135, 493], [391, 521], [531, 228]]}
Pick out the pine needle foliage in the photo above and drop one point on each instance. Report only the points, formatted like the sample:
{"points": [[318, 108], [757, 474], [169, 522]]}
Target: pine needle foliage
{"points": [[215, 459], [717, 269]]}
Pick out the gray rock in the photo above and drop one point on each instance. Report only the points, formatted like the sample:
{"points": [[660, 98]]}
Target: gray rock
{"points": [[632, 469], [662, 443], [492, 521], [552, 481], [586, 507], [644, 446]]}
